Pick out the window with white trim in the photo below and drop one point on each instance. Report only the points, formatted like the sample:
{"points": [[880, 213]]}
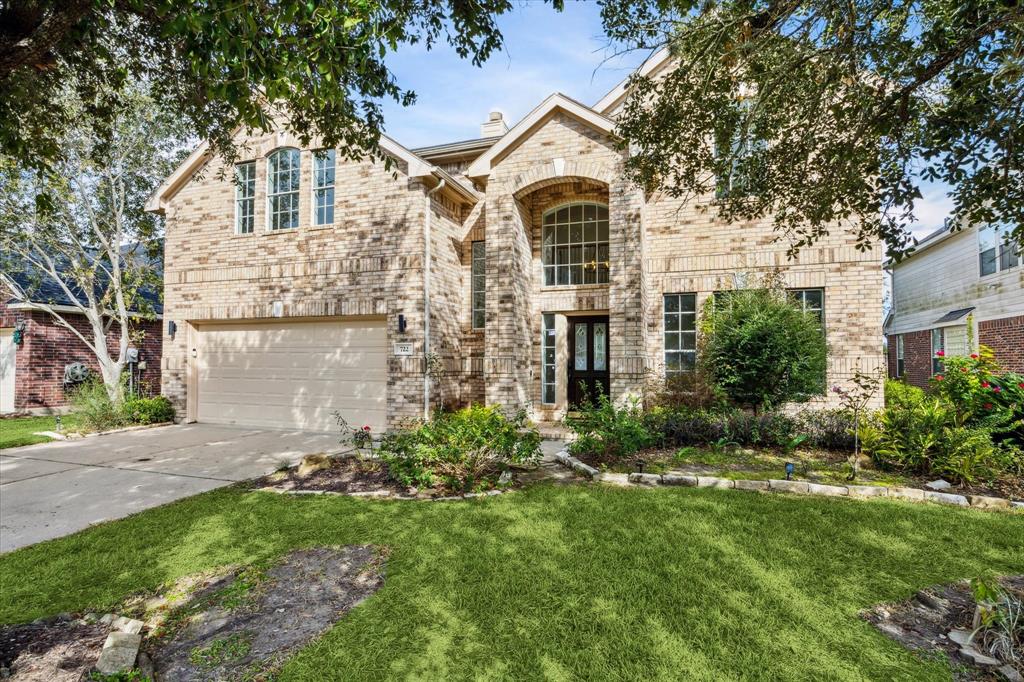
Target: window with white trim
{"points": [[245, 197], [938, 345], [547, 359], [900, 363], [680, 332], [323, 187], [478, 285], [574, 245], [283, 189], [997, 251], [811, 301]]}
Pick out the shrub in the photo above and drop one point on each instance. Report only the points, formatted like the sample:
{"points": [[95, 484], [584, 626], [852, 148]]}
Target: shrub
{"points": [[460, 449], [827, 429], [94, 407], [608, 432], [762, 349], [154, 410], [687, 390]]}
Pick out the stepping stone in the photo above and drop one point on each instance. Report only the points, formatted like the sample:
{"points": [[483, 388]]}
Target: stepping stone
{"points": [[119, 653]]}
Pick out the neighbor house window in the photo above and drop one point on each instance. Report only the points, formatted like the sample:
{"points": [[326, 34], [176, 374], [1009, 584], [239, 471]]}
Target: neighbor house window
{"points": [[575, 245], [900, 364], [283, 189], [997, 251], [812, 301], [245, 197], [938, 346], [680, 333], [479, 284], [547, 357], [323, 187]]}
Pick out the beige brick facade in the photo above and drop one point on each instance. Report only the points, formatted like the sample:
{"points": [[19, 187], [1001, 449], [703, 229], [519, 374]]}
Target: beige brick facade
{"points": [[369, 263]]}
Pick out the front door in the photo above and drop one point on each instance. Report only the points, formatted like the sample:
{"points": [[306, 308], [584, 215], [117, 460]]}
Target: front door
{"points": [[588, 359]]}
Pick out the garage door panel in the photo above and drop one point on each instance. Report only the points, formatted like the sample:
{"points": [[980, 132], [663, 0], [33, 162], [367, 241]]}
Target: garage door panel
{"points": [[293, 375]]}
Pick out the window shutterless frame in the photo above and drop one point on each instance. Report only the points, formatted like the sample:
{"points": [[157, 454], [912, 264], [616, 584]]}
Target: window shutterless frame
{"points": [[679, 333], [245, 197], [283, 173], [478, 285], [323, 187], [900, 363], [547, 359], [574, 244]]}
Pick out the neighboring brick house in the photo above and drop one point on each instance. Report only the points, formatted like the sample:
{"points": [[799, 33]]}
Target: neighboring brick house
{"points": [[956, 290], [302, 288], [32, 373]]}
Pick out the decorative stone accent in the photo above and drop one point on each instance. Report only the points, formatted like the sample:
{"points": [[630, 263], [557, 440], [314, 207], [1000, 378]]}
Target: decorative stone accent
{"points": [[119, 653], [907, 494], [563, 457], [645, 479], [946, 498], [829, 490], [940, 484], [617, 479], [867, 491], [679, 479], [985, 502], [712, 482], [788, 486], [311, 463], [128, 625], [751, 485]]}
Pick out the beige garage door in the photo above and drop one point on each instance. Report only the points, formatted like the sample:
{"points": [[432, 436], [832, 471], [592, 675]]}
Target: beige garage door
{"points": [[293, 374]]}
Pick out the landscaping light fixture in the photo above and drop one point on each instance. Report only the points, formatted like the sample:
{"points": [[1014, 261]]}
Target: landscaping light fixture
{"points": [[640, 466], [789, 471], [401, 323], [59, 427]]}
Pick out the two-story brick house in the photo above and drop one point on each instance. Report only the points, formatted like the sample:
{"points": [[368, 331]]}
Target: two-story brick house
{"points": [[507, 270], [957, 290]]}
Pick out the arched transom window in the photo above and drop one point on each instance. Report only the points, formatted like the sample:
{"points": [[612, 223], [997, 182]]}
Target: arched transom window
{"points": [[574, 244], [283, 189]]}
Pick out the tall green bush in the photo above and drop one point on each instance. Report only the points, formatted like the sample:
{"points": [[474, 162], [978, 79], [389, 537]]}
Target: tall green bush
{"points": [[608, 432], [762, 349]]}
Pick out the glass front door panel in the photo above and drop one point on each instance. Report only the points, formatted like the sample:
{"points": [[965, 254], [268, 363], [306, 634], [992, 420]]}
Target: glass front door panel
{"points": [[581, 347]]}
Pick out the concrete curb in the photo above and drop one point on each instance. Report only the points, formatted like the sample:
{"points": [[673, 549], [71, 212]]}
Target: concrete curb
{"points": [[858, 492]]}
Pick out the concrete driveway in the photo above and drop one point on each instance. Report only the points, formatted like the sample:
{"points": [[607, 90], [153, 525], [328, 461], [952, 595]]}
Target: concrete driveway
{"points": [[54, 489]]}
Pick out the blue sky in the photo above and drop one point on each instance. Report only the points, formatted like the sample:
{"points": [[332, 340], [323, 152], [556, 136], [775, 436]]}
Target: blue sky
{"points": [[545, 51]]}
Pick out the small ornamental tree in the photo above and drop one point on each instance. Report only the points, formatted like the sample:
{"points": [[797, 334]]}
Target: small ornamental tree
{"points": [[762, 349]]}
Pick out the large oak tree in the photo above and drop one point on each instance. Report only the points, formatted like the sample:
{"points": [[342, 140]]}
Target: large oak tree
{"points": [[823, 112]]}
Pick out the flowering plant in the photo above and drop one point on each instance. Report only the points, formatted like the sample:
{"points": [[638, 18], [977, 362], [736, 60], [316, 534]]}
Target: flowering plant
{"points": [[360, 438], [978, 391]]}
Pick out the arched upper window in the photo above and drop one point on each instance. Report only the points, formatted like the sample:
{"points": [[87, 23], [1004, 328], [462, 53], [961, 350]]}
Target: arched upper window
{"points": [[574, 244], [283, 189]]}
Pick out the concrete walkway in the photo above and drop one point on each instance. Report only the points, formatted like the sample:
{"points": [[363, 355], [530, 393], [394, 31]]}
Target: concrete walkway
{"points": [[54, 489]]}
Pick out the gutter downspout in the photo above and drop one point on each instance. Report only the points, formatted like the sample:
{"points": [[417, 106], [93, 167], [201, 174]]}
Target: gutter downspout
{"points": [[426, 298]]}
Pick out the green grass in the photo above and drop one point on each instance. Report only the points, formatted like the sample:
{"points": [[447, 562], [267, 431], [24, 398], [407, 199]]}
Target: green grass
{"points": [[581, 582], [20, 431]]}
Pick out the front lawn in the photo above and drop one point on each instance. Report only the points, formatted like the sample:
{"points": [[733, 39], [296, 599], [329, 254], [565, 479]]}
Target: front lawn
{"points": [[18, 431], [581, 582]]}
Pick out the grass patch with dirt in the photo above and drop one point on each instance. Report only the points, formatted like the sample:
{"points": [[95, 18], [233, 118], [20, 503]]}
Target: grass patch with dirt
{"points": [[580, 582]]}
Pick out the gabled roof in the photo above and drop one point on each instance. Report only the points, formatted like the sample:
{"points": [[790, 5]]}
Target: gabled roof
{"points": [[481, 167], [418, 168], [652, 64], [460, 148]]}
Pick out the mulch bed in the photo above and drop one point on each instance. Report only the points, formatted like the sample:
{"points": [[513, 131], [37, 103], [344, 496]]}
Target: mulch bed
{"points": [[56, 650], [346, 475], [923, 622]]}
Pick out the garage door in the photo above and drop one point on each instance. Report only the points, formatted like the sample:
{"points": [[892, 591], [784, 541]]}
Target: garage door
{"points": [[293, 375]]}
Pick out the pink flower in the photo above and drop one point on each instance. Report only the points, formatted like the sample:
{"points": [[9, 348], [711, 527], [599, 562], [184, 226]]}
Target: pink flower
{"points": [[940, 353], [996, 389]]}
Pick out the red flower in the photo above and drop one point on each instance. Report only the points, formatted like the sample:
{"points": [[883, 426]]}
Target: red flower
{"points": [[939, 377], [988, 406], [974, 356], [940, 353], [963, 369], [984, 384], [366, 428], [1020, 385]]}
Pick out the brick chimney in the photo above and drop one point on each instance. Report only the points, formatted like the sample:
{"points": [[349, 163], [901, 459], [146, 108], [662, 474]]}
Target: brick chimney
{"points": [[494, 125]]}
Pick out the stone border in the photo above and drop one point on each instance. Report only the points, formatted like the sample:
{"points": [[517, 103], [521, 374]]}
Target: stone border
{"points": [[75, 435], [385, 494], [799, 487]]}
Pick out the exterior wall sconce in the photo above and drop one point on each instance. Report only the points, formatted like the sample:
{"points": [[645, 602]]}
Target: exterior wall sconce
{"points": [[401, 323], [18, 337], [172, 328]]}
